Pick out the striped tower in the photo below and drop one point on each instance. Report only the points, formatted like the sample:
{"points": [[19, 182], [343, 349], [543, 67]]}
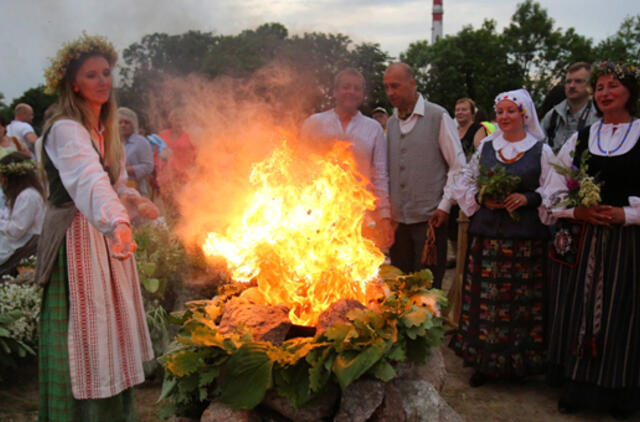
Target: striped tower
{"points": [[436, 26]]}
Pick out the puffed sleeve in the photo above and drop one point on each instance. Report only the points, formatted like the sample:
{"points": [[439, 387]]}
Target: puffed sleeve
{"points": [[555, 186], [70, 150], [465, 188], [24, 215], [380, 174]]}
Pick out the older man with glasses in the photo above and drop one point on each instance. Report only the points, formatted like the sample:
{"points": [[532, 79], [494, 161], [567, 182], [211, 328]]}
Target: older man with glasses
{"points": [[575, 112]]}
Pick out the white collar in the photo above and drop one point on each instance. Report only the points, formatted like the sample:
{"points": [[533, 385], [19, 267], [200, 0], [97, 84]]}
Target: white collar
{"points": [[511, 149], [417, 109]]}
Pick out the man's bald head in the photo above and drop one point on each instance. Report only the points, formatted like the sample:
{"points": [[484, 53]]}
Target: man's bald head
{"points": [[23, 113], [401, 68], [400, 86]]}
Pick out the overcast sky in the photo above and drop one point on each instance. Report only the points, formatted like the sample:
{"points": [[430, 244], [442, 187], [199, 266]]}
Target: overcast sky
{"points": [[33, 30]]}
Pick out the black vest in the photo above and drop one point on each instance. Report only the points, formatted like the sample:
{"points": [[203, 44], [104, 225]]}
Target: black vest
{"points": [[618, 176], [58, 194], [498, 223]]}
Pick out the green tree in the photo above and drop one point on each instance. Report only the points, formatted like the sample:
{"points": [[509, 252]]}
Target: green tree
{"points": [[472, 63], [624, 45], [317, 57]]}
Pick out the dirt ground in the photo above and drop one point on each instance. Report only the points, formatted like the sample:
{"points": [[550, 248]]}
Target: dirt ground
{"points": [[532, 401]]}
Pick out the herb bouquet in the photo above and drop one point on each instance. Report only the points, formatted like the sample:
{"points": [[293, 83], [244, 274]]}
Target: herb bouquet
{"points": [[495, 183], [582, 189]]}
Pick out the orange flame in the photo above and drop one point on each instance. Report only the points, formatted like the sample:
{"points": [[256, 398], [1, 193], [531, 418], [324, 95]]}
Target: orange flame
{"points": [[301, 233]]}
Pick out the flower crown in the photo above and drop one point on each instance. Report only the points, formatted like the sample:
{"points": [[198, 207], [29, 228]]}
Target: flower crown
{"points": [[18, 168], [619, 69], [73, 50], [513, 99]]}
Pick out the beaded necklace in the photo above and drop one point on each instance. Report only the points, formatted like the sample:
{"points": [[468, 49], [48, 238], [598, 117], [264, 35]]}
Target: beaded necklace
{"points": [[510, 160], [621, 143]]}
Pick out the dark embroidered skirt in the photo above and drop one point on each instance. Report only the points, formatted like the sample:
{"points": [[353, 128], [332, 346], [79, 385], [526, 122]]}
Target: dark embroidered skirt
{"points": [[501, 332], [594, 316]]}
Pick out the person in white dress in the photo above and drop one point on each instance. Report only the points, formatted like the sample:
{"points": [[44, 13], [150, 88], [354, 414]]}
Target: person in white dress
{"points": [[93, 332], [21, 221]]}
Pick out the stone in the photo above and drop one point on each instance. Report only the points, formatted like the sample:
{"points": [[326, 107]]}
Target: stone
{"points": [[422, 402], [337, 312], [360, 400], [218, 412], [391, 409], [266, 322], [433, 371], [316, 410]]}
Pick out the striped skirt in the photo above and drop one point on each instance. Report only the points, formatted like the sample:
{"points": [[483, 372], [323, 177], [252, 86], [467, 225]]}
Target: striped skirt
{"points": [[56, 402], [594, 310], [501, 332]]}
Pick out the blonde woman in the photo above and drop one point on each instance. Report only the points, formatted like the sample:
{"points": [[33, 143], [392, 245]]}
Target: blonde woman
{"points": [[93, 333]]}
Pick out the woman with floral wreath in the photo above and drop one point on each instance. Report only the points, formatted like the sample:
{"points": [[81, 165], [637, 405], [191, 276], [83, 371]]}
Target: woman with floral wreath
{"points": [[93, 332], [20, 227], [594, 348], [501, 330]]}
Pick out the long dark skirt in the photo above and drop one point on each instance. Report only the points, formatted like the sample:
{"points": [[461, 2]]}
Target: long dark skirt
{"points": [[56, 402], [594, 317], [501, 332]]}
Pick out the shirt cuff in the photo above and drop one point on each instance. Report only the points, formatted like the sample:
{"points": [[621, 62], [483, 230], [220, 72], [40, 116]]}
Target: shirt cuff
{"points": [[563, 213], [631, 216], [445, 205]]}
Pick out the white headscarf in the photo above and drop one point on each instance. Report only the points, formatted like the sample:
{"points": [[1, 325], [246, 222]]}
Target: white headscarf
{"points": [[523, 100]]}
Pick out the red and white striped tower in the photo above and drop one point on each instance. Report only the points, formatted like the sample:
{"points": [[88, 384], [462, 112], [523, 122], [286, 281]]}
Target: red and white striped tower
{"points": [[436, 26]]}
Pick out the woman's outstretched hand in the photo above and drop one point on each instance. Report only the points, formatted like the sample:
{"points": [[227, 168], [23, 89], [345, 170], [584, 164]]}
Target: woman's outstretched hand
{"points": [[122, 243]]}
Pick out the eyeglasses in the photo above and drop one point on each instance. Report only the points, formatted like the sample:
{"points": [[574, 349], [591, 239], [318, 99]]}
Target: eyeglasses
{"points": [[576, 81]]}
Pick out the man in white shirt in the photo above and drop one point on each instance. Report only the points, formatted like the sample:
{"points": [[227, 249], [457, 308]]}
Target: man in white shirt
{"points": [[21, 129], [346, 122], [424, 155]]}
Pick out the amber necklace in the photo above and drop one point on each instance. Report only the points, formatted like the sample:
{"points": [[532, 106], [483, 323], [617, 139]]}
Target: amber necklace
{"points": [[509, 160]]}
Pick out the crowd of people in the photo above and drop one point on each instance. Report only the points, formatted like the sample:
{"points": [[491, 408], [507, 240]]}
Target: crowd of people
{"points": [[550, 284]]}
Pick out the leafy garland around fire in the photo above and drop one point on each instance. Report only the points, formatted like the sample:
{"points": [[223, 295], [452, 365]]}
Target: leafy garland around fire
{"points": [[402, 322]]}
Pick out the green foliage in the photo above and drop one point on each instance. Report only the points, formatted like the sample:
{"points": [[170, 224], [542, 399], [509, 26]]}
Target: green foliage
{"points": [[24, 299], [495, 183], [11, 348], [157, 321], [205, 364], [473, 63], [316, 57], [531, 52], [162, 261]]}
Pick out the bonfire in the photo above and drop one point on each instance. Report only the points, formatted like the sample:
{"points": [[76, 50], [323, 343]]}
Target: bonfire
{"points": [[298, 257]]}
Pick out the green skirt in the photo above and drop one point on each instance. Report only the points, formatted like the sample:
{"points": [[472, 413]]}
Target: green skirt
{"points": [[56, 402]]}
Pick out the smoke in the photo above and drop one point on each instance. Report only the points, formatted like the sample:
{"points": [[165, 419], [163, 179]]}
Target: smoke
{"points": [[233, 123]]}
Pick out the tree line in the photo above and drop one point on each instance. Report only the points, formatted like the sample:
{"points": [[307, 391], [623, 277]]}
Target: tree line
{"points": [[531, 51]]}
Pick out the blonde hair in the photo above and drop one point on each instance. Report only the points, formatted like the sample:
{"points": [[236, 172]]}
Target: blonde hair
{"points": [[71, 105]]}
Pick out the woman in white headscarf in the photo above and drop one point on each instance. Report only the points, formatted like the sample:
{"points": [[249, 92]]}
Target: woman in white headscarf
{"points": [[501, 332]]}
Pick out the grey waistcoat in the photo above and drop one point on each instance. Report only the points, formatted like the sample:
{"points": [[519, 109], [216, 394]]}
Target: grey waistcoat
{"points": [[417, 169]]}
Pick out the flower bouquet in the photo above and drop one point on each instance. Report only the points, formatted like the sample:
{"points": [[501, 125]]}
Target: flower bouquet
{"points": [[582, 189], [496, 183]]}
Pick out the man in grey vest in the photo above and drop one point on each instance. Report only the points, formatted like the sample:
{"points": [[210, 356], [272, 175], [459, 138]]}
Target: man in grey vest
{"points": [[573, 113], [424, 154]]}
